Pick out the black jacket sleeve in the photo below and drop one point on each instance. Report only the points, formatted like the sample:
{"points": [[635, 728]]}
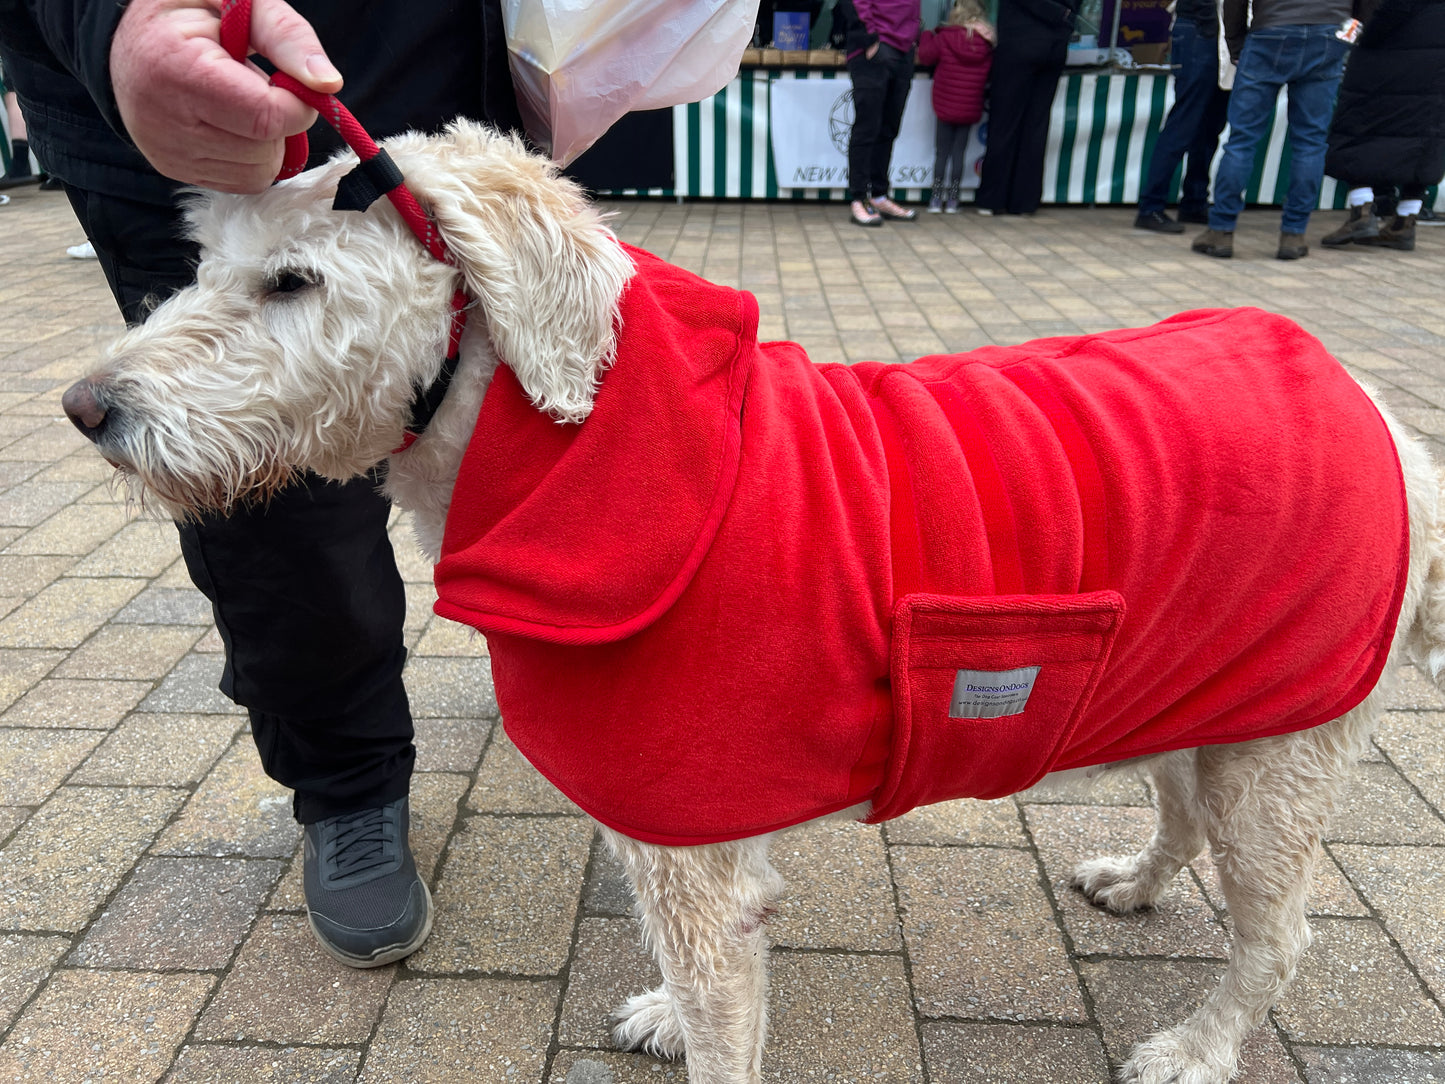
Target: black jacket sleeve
{"points": [[69, 35]]}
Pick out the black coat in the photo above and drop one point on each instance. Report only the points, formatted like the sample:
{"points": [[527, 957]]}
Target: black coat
{"points": [[1389, 123]]}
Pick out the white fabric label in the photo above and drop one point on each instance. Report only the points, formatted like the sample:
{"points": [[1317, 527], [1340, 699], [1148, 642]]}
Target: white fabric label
{"points": [[991, 694]]}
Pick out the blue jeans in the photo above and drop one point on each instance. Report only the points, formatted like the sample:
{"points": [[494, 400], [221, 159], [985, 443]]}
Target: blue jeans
{"points": [[1308, 60], [1192, 127]]}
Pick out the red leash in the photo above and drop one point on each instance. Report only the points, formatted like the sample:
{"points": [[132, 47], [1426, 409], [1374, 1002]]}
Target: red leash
{"points": [[376, 174]]}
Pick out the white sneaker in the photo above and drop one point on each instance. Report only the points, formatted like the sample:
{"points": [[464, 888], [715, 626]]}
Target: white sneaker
{"points": [[84, 251], [935, 206]]}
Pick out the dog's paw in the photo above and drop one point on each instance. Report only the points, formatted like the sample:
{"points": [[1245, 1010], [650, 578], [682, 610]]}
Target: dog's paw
{"points": [[648, 1024], [1167, 1059], [1116, 884]]}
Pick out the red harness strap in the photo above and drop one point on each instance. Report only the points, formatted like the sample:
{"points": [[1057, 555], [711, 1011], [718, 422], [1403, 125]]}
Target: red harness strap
{"points": [[235, 39]]}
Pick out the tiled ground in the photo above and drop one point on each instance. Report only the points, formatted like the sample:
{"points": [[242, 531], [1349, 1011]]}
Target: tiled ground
{"points": [[151, 922]]}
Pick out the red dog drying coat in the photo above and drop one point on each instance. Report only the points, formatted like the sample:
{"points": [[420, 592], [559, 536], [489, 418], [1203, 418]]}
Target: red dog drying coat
{"points": [[748, 590]]}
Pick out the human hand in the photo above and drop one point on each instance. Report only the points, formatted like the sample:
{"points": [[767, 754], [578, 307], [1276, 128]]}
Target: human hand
{"points": [[198, 115], [872, 51]]}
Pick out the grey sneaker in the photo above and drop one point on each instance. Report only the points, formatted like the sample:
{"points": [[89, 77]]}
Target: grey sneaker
{"points": [[365, 901]]}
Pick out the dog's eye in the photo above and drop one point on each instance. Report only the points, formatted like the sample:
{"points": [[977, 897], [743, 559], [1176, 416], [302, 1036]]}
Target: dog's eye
{"points": [[289, 281]]}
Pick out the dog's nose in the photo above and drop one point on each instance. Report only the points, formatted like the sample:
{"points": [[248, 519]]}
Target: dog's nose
{"points": [[82, 408]]}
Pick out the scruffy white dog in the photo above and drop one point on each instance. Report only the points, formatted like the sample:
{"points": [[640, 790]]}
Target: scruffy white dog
{"points": [[302, 346]]}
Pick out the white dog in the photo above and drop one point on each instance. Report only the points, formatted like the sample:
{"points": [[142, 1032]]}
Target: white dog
{"points": [[302, 346]]}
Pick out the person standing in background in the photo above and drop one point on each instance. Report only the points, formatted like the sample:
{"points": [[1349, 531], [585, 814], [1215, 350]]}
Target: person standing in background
{"points": [[1033, 46], [960, 53], [879, 37], [1299, 44], [1191, 130], [1388, 134]]}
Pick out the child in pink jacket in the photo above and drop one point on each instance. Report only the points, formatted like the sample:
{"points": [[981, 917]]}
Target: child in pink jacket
{"points": [[961, 52]]}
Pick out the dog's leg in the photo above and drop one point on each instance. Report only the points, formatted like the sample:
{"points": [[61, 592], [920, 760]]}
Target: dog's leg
{"points": [[702, 911], [1124, 884], [1266, 806]]}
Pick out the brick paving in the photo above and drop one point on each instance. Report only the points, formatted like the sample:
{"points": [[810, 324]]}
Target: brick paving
{"points": [[151, 916]]}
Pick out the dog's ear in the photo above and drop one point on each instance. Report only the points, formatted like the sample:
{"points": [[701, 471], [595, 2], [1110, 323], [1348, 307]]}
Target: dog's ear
{"points": [[544, 269]]}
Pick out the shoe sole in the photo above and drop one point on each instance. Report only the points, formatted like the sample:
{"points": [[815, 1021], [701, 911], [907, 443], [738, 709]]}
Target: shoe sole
{"points": [[1217, 253], [387, 954], [1175, 229]]}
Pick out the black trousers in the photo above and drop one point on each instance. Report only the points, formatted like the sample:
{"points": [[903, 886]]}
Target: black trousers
{"points": [[880, 91], [1023, 78], [305, 590]]}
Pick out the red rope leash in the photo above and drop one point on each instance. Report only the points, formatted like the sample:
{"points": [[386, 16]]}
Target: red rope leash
{"points": [[236, 40]]}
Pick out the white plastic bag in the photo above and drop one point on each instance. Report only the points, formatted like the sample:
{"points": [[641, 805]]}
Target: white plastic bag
{"points": [[579, 65]]}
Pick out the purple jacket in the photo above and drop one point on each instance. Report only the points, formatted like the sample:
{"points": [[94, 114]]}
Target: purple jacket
{"points": [[893, 21]]}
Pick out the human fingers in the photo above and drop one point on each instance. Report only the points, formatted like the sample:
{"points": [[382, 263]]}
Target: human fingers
{"points": [[288, 41]]}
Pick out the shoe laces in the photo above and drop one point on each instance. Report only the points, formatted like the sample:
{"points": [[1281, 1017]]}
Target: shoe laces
{"points": [[360, 842]]}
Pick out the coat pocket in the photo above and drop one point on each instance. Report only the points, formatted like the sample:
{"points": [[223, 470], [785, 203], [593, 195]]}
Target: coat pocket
{"points": [[988, 691]]}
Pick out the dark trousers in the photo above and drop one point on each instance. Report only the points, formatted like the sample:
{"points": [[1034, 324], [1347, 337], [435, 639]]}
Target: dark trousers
{"points": [[305, 589], [1024, 78], [949, 141], [880, 91], [1191, 130]]}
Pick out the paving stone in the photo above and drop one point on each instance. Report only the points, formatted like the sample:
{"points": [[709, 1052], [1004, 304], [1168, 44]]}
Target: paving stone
{"points": [[1411, 741], [840, 1017], [87, 1025], [65, 613], [160, 750], [838, 895], [1353, 1065], [981, 936], [1380, 807], [445, 1031], [194, 685], [167, 606], [1413, 690], [506, 783], [1122, 786], [24, 576], [143, 547], [136, 652], [609, 965], [199, 1064], [20, 669], [1182, 923], [607, 891], [72, 852], [485, 903], [35, 762], [606, 1067], [34, 501], [237, 810], [447, 638], [177, 913], [25, 962], [75, 530], [284, 989], [1406, 885], [92, 705], [448, 688], [450, 745], [1353, 987], [964, 821], [1017, 1053]]}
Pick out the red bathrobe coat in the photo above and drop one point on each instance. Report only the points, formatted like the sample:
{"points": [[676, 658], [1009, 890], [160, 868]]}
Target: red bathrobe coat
{"points": [[748, 590]]}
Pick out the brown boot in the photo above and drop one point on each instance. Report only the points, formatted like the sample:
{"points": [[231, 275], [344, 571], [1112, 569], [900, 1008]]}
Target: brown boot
{"points": [[1398, 233], [1218, 243], [1292, 247], [1362, 223]]}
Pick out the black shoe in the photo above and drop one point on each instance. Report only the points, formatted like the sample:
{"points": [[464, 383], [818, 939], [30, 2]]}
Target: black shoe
{"points": [[14, 180], [367, 905], [1428, 217], [51, 184], [1194, 216], [1157, 221]]}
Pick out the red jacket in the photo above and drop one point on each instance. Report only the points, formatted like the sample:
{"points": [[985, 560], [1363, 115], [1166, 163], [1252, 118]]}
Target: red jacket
{"points": [[961, 64], [748, 591]]}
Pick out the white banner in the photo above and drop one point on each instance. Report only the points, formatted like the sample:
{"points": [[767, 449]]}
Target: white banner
{"points": [[810, 121]]}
